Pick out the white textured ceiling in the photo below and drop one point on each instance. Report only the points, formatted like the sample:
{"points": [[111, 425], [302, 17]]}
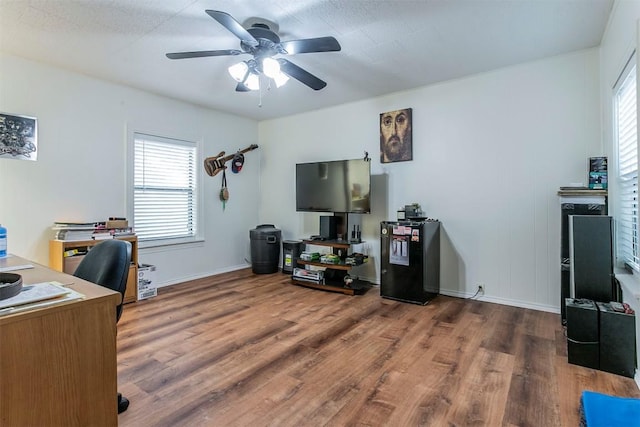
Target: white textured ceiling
{"points": [[387, 46]]}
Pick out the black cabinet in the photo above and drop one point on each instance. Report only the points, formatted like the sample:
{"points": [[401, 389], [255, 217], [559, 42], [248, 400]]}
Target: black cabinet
{"points": [[591, 257], [583, 340], [617, 341], [599, 337], [575, 202]]}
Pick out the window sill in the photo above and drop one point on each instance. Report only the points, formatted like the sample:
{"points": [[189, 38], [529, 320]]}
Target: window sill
{"points": [[166, 244], [630, 284]]}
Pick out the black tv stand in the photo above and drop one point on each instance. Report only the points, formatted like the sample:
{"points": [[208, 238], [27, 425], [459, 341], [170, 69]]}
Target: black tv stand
{"points": [[334, 273]]}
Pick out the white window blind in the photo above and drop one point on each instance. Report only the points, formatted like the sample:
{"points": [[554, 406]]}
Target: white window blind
{"points": [[626, 136], [165, 192]]}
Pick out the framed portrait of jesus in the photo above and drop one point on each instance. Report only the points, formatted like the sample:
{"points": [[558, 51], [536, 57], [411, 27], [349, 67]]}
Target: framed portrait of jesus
{"points": [[396, 136]]}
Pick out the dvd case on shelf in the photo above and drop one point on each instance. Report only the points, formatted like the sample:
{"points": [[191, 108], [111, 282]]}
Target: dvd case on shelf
{"points": [[598, 173]]}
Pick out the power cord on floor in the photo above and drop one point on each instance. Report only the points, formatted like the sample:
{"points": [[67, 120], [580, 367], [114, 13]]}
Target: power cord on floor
{"points": [[480, 289], [474, 295]]}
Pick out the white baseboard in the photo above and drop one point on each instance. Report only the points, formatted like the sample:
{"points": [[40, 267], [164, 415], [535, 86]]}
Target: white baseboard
{"points": [[456, 294], [503, 301], [203, 275]]}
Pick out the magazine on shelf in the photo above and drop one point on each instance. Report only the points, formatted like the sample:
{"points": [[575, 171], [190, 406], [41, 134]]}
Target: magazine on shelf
{"points": [[598, 173]]}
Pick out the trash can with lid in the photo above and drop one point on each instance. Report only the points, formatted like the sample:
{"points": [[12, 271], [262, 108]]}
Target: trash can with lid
{"points": [[265, 249], [291, 250]]}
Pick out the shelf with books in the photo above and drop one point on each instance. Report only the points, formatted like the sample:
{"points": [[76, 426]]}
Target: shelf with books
{"points": [[99, 230], [65, 255]]}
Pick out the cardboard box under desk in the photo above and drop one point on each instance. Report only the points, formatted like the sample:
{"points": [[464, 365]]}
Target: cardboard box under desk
{"points": [[147, 287]]}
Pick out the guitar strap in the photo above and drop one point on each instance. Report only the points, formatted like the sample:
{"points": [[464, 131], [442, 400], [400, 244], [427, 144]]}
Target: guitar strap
{"points": [[224, 192]]}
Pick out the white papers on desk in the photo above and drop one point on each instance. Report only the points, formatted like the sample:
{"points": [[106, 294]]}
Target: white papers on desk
{"points": [[37, 296], [15, 267]]}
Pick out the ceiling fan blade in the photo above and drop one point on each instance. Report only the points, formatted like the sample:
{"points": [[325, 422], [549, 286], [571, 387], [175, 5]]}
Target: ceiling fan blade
{"points": [[320, 44], [292, 70], [241, 87], [203, 53], [232, 25]]}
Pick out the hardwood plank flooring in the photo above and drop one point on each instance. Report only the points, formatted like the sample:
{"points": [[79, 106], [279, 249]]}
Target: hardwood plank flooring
{"points": [[240, 349]]}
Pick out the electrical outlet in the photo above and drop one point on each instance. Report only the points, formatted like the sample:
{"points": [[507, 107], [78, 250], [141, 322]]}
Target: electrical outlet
{"points": [[481, 289]]}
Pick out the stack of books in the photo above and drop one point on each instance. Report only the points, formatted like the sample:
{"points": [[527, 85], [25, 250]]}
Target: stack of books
{"points": [[77, 230], [310, 256], [100, 230], [330, 259], [315, 276]]}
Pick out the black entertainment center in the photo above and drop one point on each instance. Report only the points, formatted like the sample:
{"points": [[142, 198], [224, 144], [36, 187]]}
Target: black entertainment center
{"points": [[337, 188]]}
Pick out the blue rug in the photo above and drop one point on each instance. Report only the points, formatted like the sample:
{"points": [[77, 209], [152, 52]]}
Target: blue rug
{"points": [[601, 410]]}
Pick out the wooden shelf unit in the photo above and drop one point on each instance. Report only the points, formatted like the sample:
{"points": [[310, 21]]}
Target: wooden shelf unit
{"points": [[340, 248], [340, 266], [57, 260]]}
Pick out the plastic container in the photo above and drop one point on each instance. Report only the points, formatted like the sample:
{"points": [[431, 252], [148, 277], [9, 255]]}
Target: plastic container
{"points": [[265, 249], [3, 241], [291, 250]]}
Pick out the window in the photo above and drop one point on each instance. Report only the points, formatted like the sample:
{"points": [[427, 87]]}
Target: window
{"points": [[165, 201], [626, 140]]}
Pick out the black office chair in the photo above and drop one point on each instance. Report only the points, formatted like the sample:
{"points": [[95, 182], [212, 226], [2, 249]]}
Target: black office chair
{"points": [[107, 264]]}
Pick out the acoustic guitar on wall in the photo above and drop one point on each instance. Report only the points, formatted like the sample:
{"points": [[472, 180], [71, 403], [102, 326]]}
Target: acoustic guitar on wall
{"points": [[213, 165]]}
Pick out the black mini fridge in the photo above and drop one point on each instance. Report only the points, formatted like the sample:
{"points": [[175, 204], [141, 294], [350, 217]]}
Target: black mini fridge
{"points": [[410, 260]]}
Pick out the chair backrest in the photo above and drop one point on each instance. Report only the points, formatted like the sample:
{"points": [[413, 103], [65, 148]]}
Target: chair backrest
{"points": [[107, 264]]}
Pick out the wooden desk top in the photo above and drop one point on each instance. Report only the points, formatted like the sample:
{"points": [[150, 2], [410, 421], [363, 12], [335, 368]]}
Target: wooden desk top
{"points": [[39, 273]]}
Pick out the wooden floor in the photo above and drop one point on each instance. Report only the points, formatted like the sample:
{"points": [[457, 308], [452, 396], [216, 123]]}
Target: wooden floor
{"points": [[253, 350]]}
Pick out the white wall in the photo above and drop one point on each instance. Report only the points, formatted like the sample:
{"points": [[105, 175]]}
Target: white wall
{"points": [[489, 154], [80, 173]]}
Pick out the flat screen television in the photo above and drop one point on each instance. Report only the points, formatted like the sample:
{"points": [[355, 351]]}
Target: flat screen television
{"points": [[334, 186]]}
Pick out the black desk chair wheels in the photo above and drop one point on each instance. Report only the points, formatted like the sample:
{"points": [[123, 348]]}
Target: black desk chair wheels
{"points": [[107, 265]]}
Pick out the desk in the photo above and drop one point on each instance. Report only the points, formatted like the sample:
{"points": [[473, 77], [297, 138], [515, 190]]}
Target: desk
{"points": [[58, 363]]}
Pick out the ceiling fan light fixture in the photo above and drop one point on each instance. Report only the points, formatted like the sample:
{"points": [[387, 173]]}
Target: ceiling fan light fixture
{"points": [[270, 67], [239, 71], [280, 79], [252, 81], [262, 42]]}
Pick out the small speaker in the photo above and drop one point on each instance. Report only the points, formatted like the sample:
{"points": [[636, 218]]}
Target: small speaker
{"points": [[328, 227], [582, 333], [617, 341]]}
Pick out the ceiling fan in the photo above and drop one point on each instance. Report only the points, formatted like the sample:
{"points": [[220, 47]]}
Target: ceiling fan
{"points": [[263, 43]]}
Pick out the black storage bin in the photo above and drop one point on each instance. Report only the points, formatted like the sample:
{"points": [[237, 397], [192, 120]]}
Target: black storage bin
{"points": [[291, 250], [617, 341], [583, 340], [265, 249]]}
